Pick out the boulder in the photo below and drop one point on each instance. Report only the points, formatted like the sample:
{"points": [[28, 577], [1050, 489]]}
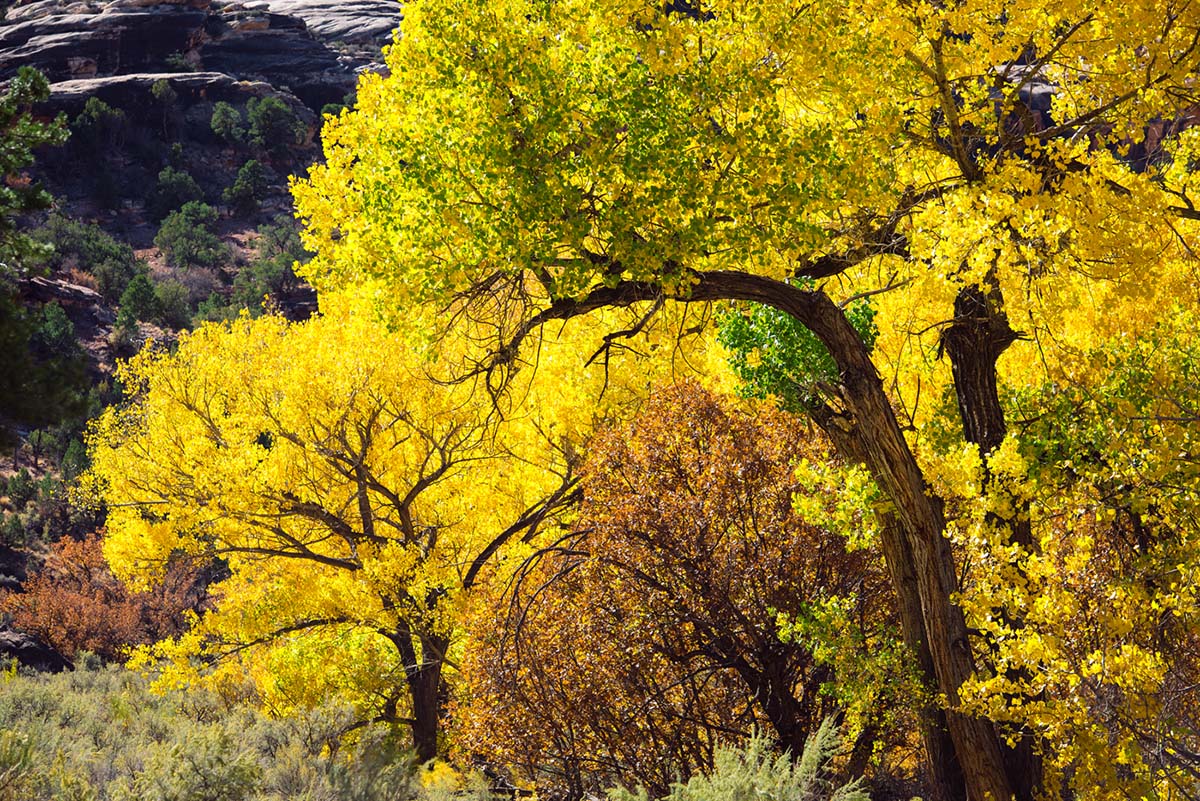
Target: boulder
{"points": [[83, 305], [32, 652]]}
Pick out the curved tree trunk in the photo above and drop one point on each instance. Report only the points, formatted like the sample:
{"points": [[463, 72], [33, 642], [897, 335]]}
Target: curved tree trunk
{"points": [[873, 436], [916, 549]]}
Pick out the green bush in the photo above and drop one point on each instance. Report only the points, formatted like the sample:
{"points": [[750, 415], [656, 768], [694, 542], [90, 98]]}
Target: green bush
{"points": [[21, 489], [274, 126], [332, 109], [101, 734], [174, 190], [55, 334], [138, 302], [215, 309], [88, 248], [173, 308], [38, 386], [756, 772], [12, 530], [74, 460], [226, 123], [178, 62], [269, 274], [145, 300], [249, 189], [204, 765], [18, 776], [260, 279], [280, 239], [99, 128], [187, 240]]}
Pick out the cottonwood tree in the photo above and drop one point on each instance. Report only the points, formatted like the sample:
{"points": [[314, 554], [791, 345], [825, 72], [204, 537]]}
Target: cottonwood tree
{"points": [[1008, 185], [352, 500], [356, 499]]}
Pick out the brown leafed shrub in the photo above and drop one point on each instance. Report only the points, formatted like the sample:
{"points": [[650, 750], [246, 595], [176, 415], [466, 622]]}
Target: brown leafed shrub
{"points": [[75, 603], [649, 635]]}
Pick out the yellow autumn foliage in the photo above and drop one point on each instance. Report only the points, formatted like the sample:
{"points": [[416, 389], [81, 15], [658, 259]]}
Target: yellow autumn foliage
{"points": [[351, 495]]}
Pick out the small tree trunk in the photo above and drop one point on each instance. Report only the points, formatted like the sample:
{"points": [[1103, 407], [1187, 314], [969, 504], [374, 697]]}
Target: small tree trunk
{"points": [[974, 342], [425, 684], [423, 675]]}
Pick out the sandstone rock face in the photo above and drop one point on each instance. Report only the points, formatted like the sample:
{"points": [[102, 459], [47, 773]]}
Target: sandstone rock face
{"points": [[312, 48], [118, 37], [125, 91], [196, 93], [350, 21]]}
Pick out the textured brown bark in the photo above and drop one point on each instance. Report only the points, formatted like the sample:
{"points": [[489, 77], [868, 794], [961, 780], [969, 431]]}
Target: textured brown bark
{"points": [[945, 774], [976, 745], [425, 686]]}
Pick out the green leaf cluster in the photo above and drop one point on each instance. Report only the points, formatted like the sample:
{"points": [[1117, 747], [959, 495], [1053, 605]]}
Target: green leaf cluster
{"points": [[187, 238], [775, 355]]}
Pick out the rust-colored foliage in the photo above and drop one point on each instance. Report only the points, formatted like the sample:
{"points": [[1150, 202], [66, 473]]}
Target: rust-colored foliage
{"points": [[75, 603], [649, 633]]}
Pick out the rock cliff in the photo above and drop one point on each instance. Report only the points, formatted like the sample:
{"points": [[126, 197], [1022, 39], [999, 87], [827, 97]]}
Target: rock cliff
{"points": [[312, 49]]}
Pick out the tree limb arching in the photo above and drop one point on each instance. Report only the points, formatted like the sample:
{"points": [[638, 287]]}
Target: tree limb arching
{"points": [[916, 548]]}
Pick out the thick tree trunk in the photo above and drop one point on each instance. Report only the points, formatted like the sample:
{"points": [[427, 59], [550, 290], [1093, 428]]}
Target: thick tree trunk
{"points": [[425, 685], [771, 686], [926, 548], [945, 774]]}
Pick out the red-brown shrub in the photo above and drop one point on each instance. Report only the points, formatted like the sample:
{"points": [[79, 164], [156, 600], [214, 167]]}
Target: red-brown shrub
{"points": [[75, 603]]}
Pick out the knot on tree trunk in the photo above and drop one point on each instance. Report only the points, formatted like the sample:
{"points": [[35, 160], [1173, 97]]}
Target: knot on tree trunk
{"points": [[974, 341], [980, 329]]}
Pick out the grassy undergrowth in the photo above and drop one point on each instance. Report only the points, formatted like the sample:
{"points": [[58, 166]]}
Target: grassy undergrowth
{"points": [[100, 734]]}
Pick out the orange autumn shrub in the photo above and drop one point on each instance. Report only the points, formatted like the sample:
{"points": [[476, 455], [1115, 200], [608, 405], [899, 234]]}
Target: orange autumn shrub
{"points": [[75, 603], [631, 648]]}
